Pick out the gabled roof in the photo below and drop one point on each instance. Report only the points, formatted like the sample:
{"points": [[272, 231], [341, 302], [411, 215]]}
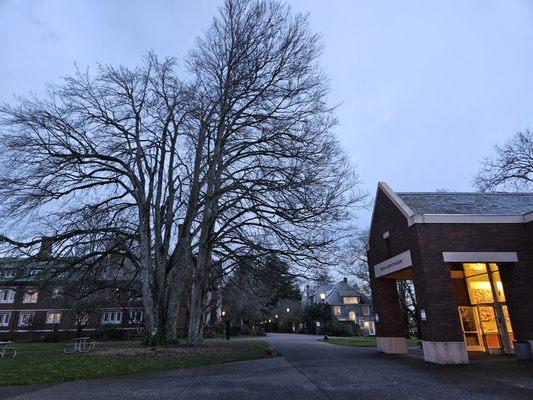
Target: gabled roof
{"points": [[469, 203], [454, 207], [335, 293]]}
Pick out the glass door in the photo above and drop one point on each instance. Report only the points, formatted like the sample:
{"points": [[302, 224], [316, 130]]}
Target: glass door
{"points": [[471, 330], [487, 297]]}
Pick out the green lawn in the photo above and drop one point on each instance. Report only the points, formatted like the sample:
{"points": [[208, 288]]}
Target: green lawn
{"points": [[363, 341], [32, 366]]}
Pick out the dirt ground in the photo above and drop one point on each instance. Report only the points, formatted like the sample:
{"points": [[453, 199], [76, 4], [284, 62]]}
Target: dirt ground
{"points": [[209, 347]]}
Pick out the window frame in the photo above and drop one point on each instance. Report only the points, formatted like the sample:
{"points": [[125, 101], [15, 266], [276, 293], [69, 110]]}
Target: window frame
{"points": [[31, 314], [30, 292], [57, 292], [3, 314], [109, 320], [133, 315], [10, 299], [350, 297], [56, 312]]}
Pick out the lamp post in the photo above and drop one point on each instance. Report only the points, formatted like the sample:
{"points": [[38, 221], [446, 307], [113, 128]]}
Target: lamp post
{"points": [[323, 298], [227, 324], [289, 319]]}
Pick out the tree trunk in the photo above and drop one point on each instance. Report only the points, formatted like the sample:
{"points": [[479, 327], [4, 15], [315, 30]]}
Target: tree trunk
{"points": [[194, 336]]}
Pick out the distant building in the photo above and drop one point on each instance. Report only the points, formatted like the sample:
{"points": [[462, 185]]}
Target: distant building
{"points": [[347, 304]]}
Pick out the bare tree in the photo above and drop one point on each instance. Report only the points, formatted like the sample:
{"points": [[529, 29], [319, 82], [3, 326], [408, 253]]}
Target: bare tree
{"points": [[106, 149], [186, 179], [353, 260], [276, 181], [511, 167]]}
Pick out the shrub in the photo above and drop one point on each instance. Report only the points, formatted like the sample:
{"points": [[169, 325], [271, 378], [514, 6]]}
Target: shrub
{"points": [[336, 328]]}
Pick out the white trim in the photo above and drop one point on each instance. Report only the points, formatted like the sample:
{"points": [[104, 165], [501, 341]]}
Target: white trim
{"points": [[528, 217], [398, 202], [479, 256], [467, 219]]}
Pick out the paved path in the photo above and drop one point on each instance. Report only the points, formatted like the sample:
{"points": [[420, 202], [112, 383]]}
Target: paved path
{"points": [[307, 370]]}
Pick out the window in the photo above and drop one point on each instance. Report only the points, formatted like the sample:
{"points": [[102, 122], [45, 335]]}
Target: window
{"points": [[337, 310], [57, 293], [7, 295], [53, 317], [30, 296], [4, 319], [83, 318], [351, 316], [136, 316], [112, 317], [7, 274], [25, 318], [366, 310], [371, 328], [350, 300]]}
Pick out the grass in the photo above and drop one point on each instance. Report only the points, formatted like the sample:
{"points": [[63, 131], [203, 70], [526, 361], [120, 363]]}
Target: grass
{"points": [[363, 341], [32, 366]]}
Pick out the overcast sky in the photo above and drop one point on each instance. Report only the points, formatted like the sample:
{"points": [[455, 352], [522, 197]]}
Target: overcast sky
{"points": [[427, 88]]}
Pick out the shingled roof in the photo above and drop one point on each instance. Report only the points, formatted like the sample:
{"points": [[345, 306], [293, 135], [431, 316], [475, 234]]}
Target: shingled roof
{"points": [[468, 203]]}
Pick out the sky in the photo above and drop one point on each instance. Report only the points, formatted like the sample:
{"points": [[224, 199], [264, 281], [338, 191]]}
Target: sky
{"points": [[425, 89]]}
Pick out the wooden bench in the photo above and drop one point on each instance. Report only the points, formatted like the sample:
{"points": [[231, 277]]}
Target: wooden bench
{"points": [[5, 350], [80, 345]]}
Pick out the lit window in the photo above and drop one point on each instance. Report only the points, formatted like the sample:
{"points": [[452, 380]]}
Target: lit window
{"points": [[4, 319], [53, 317], [337, 310], [30, 296], [7, 295], [136, 316], [366, 310], [350, 300], [25, 318], [112, 317], [351, 316]]}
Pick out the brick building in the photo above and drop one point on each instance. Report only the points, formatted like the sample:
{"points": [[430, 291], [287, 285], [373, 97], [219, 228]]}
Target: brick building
{"points": [[35, 306], [470, 257]]}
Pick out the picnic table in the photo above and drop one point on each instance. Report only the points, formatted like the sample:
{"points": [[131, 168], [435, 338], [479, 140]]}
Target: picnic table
{"points": [[80, 345], [5, 349]]}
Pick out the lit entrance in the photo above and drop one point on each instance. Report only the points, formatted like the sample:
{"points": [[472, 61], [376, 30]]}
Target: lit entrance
{"points": [[486, 323]]}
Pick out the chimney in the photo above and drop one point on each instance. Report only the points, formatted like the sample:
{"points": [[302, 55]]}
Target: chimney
{"points": [[345, 280], [46, 247]]}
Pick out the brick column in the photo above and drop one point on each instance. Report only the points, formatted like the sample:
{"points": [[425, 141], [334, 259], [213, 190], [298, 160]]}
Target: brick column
{"points": [[441, 333], [390, 329]]}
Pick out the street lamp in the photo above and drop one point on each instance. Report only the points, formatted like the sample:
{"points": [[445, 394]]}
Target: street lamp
{"points": [[289, 319], [323, 298]]}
